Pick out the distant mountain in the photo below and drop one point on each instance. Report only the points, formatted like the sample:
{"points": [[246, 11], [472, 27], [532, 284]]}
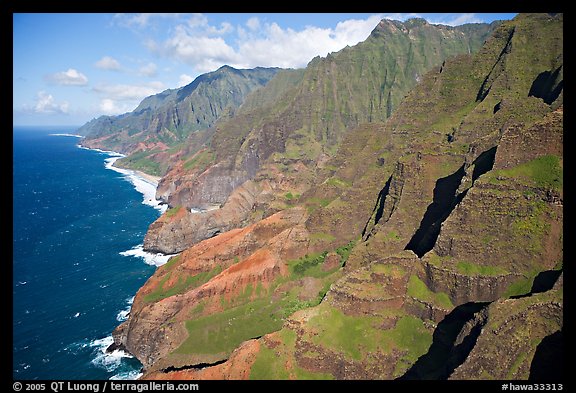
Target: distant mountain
{"points": [[169, 117]]}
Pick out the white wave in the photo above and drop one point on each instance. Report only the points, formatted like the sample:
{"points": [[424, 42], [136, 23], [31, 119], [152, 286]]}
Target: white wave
{"points": [[76, 347], [144, 186], [64, 134], [127, 376], [110, 153], [158, 259], [123, 315], [109, 361]]}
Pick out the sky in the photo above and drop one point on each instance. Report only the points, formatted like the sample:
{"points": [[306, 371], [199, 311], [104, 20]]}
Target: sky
{"points": [[70, 68]]}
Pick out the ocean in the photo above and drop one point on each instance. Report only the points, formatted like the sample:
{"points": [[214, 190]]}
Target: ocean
{"points": [[78, 227]]}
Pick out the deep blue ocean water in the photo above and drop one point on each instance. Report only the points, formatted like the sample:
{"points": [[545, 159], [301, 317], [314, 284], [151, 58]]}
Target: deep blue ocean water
{"points": [[72, 218]]}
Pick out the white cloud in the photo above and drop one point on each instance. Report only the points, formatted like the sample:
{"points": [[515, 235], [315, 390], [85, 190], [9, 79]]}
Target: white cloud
{"points": [[253, 23], [401, 17], [124, 92], [108, 63], [122, 98], [462, 19], [200, 21], [142, 20], [111, 107], [202, 46], [205, 53], [45, 104], [449, 19], [206, 47], [149, 70], [68, 78], [107, 106], [185, 79]]}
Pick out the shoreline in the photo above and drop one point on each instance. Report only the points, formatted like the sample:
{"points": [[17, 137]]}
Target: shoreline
{"points": [[142, 181], [149, 178]]}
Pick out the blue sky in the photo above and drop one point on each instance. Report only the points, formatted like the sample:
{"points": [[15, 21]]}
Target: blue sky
{"points": [[70, 68]]}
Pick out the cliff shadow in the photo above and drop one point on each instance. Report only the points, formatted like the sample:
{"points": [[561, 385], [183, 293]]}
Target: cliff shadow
{"points": [[548, 85], [443, 357], [378, 210], [543, 282], [548, 361], [443, 203]]}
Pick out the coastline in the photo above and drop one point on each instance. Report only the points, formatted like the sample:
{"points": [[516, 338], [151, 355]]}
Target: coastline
{"points": [[97, 284], [145, 184], [149, 178]]}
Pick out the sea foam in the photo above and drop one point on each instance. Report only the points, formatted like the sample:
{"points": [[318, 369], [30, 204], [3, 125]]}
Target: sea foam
{"points": [[149, 258], [107, 360], [142, 185], [123, 314]]}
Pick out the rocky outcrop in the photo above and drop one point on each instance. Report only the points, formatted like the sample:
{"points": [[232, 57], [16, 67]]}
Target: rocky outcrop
{"points": [[464, 288], [512, 333], [242, 258], [173, 234], [236, 368]]}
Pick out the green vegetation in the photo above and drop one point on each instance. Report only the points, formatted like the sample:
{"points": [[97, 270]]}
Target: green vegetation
{"points": [[141, 161], [272, 363], [313, 203], [345, 251], [268, 366], [472, 269], [545, 172], [357, 336], [173, 211], [419, 290], [310, 265], [532, 227], [224, 331], [516, 364], [290, 197], [411, 336], [172, 262], [321, 237], [200, 161], [334, 181], [306, 263], [182, 285], [392, 236], [392, 270], [522, 286]]}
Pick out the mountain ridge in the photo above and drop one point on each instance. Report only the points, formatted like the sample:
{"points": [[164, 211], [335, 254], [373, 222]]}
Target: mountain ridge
{"points": [[402, 253]]}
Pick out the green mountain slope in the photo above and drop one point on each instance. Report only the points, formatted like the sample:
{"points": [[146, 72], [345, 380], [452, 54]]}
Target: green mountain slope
{"points": [[427, 246], [278, 146], [170, 117]]}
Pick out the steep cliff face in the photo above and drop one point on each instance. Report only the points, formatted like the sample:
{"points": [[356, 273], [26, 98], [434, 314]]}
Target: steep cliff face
{"points": [[426, 240], [519, 339], [304, 116], [210, 278]]}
